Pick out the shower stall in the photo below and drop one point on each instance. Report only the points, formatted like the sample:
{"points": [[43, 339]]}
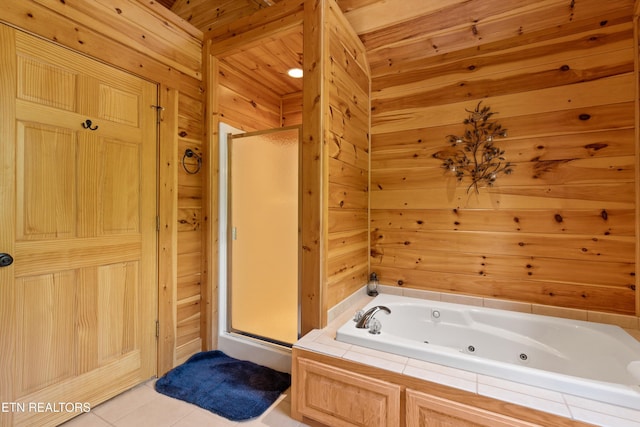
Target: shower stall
{"points": [[259, 242]]}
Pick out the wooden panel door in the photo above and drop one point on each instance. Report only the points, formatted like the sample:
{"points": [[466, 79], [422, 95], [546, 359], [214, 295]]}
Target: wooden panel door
{"points": [[78, 190]]}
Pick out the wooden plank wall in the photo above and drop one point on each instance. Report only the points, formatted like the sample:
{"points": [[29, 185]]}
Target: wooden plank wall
{"points": [[206, 14], [636, 38], [312, 203], [248, 96], [559, 231], [335, 190], [346, 157], [245, 103], [291, 107], [168, 51], [191, 316]]}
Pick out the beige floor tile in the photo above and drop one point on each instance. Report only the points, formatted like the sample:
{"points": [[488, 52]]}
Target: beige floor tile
{"points": [[162, 411], [87, 420], [125, 403], [202, 418], [142, 406], [279, 416]]}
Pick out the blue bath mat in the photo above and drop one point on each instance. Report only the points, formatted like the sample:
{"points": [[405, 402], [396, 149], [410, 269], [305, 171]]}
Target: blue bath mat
{"points": [[235, 389]]}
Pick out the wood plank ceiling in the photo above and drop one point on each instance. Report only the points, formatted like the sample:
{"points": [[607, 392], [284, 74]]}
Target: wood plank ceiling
{"points": [[401, 35]]}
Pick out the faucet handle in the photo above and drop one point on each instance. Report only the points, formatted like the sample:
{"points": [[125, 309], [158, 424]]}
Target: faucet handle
{"points": [[358, 315], [375, 326]]}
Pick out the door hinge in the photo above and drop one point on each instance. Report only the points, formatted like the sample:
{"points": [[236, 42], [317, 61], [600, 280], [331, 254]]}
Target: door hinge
{"points": [[159, 110], [157, 329], [157, 222]]}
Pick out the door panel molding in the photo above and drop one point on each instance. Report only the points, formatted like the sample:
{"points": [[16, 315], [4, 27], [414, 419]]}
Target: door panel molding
{"points": [[79, 304]]}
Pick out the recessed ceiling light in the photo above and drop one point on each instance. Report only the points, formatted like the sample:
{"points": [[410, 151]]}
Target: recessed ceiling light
{"points": [[296, 73]]}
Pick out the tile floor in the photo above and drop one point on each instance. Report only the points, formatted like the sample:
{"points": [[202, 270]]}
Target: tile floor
{"points": [[142, 406]]}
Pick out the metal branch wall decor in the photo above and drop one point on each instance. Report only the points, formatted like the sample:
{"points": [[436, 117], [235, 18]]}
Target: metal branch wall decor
{"points": [[474, 153]]}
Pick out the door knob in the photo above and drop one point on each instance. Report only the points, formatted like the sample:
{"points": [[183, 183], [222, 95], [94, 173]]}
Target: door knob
{"points": [[5, 260]]}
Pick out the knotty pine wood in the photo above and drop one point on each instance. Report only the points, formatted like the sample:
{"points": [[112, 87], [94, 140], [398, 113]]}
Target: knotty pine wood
{"points": [[463, 30], [542, 112], [313, 220], [347, 124], [636, 37], [244, 102], [366, 16], [155, 36], [188, 287], [188, 325], [561, 229], [190, 124], [269, 62], [102, 42], [561, 221], [168, 236], [291, 108], [211, 206], [205, 14], [245, 33], [255, 53], [169, 52], [191, 313], [601, 41], [336, 106]]}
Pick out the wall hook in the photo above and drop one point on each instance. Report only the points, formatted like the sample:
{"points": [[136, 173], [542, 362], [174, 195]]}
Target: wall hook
{"points": [[87, 125], [190, 153]]}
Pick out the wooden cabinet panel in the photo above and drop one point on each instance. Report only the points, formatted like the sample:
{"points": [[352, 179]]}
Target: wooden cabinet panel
{"points": [[339, 398], [425, 410], [335, 392]]}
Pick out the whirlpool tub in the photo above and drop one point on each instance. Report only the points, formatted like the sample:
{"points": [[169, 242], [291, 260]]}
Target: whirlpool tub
{"points": [[586, 359]]}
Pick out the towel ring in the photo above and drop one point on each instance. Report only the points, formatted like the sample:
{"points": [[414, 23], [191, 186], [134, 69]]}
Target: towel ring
{"points": [[190, 153]]}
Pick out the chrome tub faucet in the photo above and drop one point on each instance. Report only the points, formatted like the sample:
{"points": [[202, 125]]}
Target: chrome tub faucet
{"points": [[363, 322]]}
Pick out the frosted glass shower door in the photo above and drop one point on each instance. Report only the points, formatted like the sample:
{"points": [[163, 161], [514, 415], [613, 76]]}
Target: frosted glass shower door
{"points": [[263, 235]]}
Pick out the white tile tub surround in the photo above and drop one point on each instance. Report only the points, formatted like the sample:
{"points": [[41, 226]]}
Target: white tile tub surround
{"points": [[524, 395], [578, 408], [456, 378]]}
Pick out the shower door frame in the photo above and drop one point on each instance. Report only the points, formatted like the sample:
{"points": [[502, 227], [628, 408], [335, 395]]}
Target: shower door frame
{"points": [[230, 236]]}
